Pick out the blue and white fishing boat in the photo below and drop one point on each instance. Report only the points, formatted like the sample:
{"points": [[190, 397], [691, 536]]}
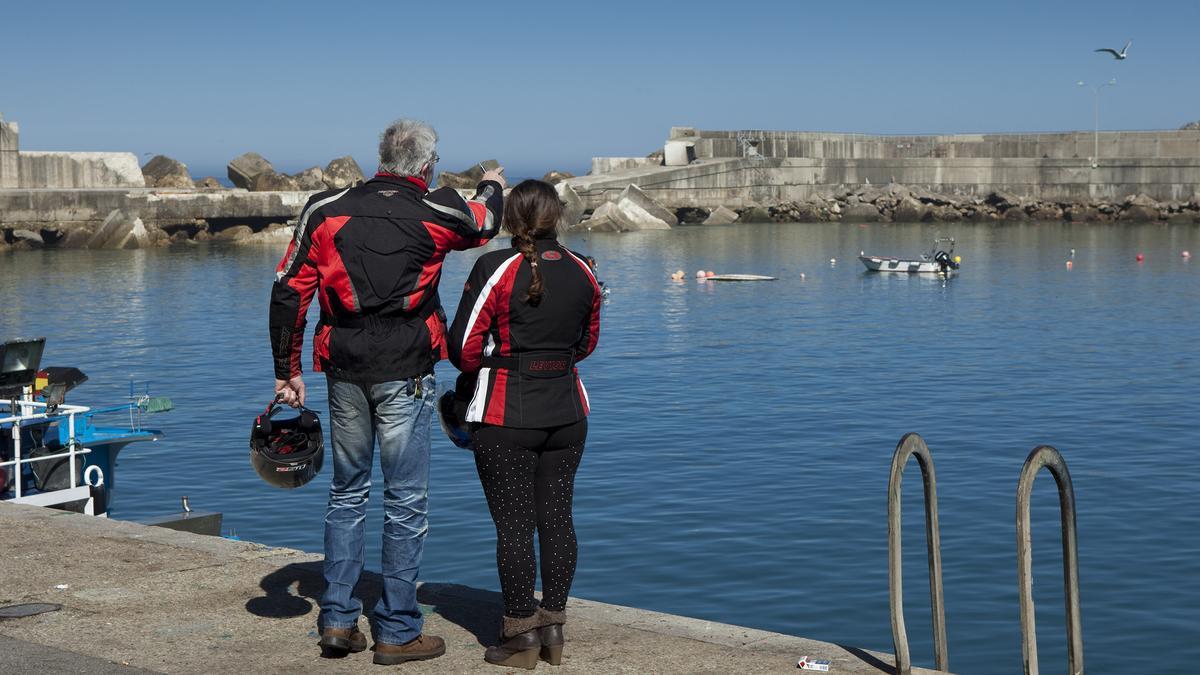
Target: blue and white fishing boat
{"points": [[55, 454], [940, 260]]}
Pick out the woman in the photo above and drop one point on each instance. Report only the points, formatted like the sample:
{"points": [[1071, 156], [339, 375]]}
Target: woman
{"points": [[528, 314]]}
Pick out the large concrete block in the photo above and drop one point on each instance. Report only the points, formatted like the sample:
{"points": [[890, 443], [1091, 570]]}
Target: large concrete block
{"points": [[603, 165], [10, 166], [572, 206], [68, 170], [270, 181], [642, 212], [721, 216], [164, 172], [244, 168], [679, 153], [605, 218], [342, 173], [312, 178], [120, 231]]}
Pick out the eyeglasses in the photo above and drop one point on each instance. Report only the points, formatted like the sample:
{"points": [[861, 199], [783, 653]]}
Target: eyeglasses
{"points": [[435, 159]]}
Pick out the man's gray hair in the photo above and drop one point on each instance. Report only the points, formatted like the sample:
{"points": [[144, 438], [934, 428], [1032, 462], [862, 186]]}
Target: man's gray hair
{"points": [[406, 146]]}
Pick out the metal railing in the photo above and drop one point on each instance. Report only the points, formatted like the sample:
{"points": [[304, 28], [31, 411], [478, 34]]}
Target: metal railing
{"points": [[1046, 456], [912, 444], [22, 412]]}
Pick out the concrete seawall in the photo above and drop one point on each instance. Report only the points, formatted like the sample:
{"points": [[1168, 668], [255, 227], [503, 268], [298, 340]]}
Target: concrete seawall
{"points": [[67, 210], [740, 169], [144, 599], [741, 183]]}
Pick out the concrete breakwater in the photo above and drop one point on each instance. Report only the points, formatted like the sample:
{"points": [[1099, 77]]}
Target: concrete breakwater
{"points": [[143, 599], [104, 200], [807, 176]]}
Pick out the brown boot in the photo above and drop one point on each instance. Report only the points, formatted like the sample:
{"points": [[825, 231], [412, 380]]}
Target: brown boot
{"points": [[421, 648], [343, 639], [519, 644], [551, 634]]}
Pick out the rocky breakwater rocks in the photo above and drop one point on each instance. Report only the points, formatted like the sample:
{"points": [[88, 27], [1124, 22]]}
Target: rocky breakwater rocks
{"points": [[163, 172], [251, 171], [899, 203], [468, 179], [124, 231], [633, 211]]}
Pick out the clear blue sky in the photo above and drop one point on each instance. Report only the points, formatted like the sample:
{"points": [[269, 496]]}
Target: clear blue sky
{"points": [[549, 85]]}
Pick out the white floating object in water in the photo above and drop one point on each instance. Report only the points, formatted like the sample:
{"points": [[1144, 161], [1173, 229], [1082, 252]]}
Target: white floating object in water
{"points": [[700, 274], [1186, 254], [833, 261], [740, 277], [1072, 253], [63, 587]]}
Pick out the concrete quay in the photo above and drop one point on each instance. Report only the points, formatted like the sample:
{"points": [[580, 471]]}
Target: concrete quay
{"points": [[138, 599], [741, 169]]}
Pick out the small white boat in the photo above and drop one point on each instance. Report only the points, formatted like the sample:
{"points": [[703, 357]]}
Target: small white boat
{"points": [[940, 260], [739, 277]]}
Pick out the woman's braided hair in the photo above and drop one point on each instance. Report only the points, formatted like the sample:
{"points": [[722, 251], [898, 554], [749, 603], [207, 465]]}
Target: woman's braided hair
{"points": [[532, 211]]}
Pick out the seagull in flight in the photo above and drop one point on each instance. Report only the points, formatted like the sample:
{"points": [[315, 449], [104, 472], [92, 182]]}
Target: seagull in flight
{"points": [[1120, 56]]}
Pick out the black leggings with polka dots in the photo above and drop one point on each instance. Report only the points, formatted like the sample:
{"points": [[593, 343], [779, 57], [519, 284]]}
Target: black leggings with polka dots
{"points": [[528, 476]]}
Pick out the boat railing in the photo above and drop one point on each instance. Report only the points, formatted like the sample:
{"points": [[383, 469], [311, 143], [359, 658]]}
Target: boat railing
{"points": [[23, 412], [913, 445]]}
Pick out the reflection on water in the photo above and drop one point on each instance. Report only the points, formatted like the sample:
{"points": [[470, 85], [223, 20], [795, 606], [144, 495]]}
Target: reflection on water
{"points": [[742, 432]]}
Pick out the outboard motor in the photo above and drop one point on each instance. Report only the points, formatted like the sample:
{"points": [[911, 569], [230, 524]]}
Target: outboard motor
{"points": [[944, 261]]}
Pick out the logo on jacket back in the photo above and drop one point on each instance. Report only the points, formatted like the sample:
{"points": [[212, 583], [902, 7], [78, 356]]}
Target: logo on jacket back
{"points": [[551, 255]]}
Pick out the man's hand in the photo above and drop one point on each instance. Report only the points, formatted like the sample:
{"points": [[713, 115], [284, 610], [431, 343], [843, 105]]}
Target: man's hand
{"points": [[290, 391], [497, 175]]}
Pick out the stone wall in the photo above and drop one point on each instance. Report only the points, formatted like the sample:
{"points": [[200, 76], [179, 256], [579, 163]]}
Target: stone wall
{"points": [[62, 170], [65, 210], [9, 146], [1068, 145], [742, 183], [602, 165]]}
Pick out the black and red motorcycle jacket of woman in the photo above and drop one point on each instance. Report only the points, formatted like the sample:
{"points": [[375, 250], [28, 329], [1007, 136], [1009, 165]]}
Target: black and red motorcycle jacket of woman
{"points": [[373, 256], [518, 359]]}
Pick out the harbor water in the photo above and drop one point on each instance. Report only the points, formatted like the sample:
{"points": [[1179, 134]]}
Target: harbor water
{"points": [[741, 436]]}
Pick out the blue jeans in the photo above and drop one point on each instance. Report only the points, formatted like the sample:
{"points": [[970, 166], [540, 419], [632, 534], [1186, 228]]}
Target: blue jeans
{"points": [[398, 414]]}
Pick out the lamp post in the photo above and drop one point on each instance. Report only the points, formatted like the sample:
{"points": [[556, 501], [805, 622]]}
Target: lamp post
{"points": [[1096, 96]]}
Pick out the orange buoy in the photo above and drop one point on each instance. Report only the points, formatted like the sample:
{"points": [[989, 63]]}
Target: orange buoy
{"points": [[1069, 264]]}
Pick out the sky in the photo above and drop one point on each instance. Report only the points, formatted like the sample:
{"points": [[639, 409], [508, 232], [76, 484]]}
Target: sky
{"points": [[544, 86]]}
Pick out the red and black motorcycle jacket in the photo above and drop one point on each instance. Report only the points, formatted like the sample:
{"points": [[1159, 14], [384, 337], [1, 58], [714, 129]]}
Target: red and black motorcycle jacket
{"points": [[373, 255], [518, 359]]}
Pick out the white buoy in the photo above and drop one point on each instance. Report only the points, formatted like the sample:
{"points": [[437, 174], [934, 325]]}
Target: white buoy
{"points": [[833, 261], [1072, 253]]}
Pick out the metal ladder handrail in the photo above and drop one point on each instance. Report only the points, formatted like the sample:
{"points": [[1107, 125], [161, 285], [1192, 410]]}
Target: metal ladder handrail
{"points": [[913, 444], [1047, 456]]}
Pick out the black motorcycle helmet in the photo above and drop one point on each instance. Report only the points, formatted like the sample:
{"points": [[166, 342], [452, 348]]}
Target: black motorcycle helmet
{"points": [[287, 453], [452, 411]]}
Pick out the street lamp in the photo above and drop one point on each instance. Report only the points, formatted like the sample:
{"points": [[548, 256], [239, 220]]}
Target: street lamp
{"points": [[1096, 92]]}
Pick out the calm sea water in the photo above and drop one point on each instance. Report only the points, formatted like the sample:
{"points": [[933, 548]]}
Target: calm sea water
{"points": [[738, 460]]}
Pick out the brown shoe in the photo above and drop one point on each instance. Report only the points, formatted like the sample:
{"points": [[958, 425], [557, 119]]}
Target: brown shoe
{"points": [[421, 648], [519, 644], [343, 639], [551, 634]]}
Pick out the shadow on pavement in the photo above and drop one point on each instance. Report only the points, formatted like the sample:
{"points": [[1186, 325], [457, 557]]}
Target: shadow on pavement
{"points": [[294, 590], [870, 659]]}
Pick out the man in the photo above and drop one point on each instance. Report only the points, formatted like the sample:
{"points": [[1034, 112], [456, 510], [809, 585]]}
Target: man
{"points": [[373, 254]]}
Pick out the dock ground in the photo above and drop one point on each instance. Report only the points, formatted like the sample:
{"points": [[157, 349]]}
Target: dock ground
{"points": [[139, 599]]}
